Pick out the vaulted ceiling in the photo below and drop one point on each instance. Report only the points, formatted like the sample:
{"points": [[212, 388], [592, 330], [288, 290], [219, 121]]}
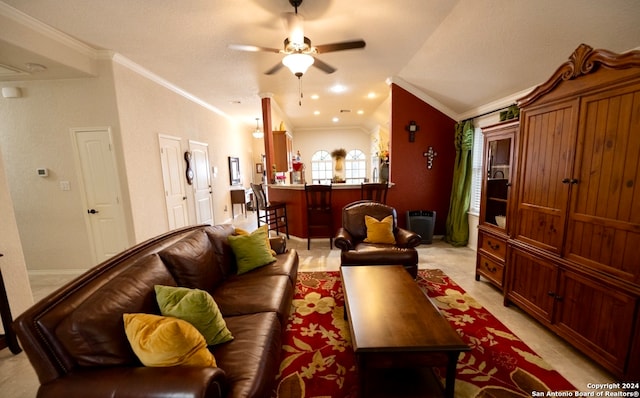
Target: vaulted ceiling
{"points": [[459, 55]]}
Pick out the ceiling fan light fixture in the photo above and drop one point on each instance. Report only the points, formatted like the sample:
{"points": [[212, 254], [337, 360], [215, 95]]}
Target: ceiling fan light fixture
{"points": [[298, 63], [295, 23]]}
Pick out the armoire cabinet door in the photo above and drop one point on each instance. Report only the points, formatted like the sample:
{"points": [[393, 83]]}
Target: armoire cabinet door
{"points": [[597, 317], [604, 219], [549, 136], [533, 284]]}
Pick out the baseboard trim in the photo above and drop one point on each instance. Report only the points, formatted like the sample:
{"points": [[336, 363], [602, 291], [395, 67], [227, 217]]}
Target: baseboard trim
{"points": [[45, 272]]}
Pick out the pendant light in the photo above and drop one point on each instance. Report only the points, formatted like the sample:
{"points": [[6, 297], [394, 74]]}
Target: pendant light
{"points": [[257, 133]]}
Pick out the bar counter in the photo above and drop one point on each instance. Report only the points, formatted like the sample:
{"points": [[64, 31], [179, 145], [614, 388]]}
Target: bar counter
{"points": [[293, 196]]}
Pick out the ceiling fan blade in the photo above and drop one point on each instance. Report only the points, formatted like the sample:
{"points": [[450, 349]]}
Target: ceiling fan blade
{"points": [[246, 47], [275, 68], [345, 45], [323, 66]]}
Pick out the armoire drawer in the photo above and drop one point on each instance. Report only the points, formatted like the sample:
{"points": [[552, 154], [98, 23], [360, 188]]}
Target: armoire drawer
{"points": [[490, 269], [492, 245]]}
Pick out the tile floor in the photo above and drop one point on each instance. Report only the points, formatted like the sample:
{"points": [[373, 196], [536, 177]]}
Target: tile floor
{"points": [[18, 379]]}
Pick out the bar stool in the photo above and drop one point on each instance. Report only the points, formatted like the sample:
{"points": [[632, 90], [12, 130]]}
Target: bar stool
{"points": [[273, 214], [374, 191], [319, 213]]}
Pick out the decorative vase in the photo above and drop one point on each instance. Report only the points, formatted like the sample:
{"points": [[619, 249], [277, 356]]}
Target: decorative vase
{"points": [[338, 169], [384, 172]]}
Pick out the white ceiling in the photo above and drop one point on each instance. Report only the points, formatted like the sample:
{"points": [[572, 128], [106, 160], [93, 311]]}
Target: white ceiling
{"points": [[462, 54]]}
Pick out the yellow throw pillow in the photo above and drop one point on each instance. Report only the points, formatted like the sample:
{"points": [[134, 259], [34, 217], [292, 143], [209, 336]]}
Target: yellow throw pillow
{"points": [[251, 250], [160, 341], [242, 232], [379, 231]]}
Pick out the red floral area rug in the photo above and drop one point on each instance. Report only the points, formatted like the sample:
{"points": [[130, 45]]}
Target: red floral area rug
{"points": [[318, 360]]}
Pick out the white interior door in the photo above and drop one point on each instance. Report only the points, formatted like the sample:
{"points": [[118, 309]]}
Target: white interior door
{"points": [[173, 178], [202, 182], [101, 191]]}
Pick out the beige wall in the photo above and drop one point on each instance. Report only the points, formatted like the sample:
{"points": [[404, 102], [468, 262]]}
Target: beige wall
{"points": [[13, 267], [36, 133], [310, 141], [48, 231], [148, 109]]}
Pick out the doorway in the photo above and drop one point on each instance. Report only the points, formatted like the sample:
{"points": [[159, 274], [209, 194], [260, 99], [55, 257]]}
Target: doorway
{"points": [[175, 196], [100, 190], [202, 192]]}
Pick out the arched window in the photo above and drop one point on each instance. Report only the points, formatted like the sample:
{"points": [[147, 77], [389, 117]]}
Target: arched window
{"points": [[355, 167], [321, 167]]}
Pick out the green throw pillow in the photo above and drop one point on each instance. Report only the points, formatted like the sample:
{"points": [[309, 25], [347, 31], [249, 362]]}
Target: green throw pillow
{"points": [[251, 250], [196, 307]]}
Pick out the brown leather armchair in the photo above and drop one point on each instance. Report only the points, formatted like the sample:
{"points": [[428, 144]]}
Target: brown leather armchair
{"points": [[350, 239]]}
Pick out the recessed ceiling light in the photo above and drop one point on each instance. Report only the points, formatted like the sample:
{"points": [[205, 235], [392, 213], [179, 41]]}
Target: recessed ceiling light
{"points": [[338, 88], [371, 95], [315, 96], [360, 112], [316, 113], [335, 120]]}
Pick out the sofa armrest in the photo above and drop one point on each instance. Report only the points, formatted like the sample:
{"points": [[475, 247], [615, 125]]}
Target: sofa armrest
{"points": [[343, 240], [183, 381], [278, 244], [406, 238]]}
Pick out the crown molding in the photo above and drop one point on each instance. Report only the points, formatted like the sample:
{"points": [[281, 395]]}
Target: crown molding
{"points": [[127, 63], [400, 82], [46, 30], [497, 104]]}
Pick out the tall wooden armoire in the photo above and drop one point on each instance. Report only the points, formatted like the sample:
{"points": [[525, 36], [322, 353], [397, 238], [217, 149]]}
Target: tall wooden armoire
{"points": [[573, 258]]}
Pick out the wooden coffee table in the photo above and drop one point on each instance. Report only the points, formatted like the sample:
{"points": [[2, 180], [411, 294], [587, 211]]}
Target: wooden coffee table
{"points": [[394, 325]]}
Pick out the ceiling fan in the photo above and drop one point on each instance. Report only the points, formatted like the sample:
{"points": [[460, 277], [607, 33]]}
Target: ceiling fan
{"points": [[298, 49]]}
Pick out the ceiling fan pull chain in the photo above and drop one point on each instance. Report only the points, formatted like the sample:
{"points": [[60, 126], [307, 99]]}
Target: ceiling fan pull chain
{"points": [[300, 91]]}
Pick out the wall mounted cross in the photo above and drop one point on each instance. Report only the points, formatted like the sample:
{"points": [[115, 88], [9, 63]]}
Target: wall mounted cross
{"points": [[430, 154]]}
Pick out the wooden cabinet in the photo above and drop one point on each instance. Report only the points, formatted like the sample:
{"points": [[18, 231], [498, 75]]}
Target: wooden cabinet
{"points": [[548, 141], [282, 149], [573, 258], [498, 166]]}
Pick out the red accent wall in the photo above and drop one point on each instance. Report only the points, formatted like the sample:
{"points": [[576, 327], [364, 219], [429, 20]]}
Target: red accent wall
{"points": [[416, 187]]}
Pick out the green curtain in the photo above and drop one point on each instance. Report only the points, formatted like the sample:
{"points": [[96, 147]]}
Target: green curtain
{"points": [[457, 232]]}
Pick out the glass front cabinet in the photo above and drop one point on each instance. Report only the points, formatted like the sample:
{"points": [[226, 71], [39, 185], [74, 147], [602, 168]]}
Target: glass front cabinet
{"points": [[498, 177]]}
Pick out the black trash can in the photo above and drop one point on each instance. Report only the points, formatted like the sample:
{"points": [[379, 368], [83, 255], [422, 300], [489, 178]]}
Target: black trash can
{"points": [[422, 222]]}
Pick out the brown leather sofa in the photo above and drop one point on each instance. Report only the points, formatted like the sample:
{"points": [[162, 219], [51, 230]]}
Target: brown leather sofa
{"points": [[351, 236], [75, 337]]}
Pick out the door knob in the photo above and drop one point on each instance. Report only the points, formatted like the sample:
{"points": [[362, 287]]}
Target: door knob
{"points": [[93, 211]]}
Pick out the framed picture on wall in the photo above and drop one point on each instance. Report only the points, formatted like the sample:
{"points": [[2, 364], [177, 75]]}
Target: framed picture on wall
{"points": [[234, 171], [259, 168]]}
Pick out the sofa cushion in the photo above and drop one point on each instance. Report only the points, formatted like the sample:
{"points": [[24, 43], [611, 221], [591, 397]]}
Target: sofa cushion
{"points": [[252, 359], [166, 341], [192, 262], [252, 250], [286, 264], [94, 332], [251, 293], [225, 259], [196, 307], [379, 231]]}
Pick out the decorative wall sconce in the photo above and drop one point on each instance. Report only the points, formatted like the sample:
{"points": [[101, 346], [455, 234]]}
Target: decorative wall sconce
{"points": [[412, 128], [430, 154]]}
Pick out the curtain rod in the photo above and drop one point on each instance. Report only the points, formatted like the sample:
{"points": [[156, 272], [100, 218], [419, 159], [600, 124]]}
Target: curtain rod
{"points": [[490, 112]]}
